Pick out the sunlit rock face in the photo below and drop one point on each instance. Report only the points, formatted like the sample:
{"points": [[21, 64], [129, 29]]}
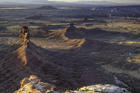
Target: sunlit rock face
{"points": [[34, 85], [24, 35], [107, 88]]}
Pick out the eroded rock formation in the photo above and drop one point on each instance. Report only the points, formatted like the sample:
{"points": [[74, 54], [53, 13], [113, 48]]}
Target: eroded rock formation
{"points": [[23, 61], [12, 66], [74, 33], [24, 34]]}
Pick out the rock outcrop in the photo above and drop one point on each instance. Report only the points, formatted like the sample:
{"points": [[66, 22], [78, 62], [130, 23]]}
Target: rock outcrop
{"points": [[107, 88], [34, 85], [24, 34], [72, 32], [12, 69]]}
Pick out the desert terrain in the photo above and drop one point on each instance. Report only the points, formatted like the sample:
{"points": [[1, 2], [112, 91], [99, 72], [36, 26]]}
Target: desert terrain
{"points": [[70, 47]]}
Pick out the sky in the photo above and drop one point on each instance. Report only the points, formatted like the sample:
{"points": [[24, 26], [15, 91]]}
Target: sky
{"points": [[98, 0], [115, 1]]}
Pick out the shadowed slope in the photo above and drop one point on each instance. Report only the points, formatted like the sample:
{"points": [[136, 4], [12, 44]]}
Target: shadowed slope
{"points": [[69, 33], [92, 56], [25, 58], [12, 71], [68, 69], [15, 65]]}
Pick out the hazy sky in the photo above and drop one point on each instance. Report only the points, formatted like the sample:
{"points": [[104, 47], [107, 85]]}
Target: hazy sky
{"points": [[99, 0], [118, 1]]}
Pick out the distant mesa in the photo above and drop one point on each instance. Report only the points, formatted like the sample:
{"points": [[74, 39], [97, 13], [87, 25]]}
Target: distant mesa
{"points": [[47, 7], [35, 17]]}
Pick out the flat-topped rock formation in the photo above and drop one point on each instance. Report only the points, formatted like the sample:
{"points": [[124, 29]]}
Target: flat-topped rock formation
{"points": [[47, 7]]}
